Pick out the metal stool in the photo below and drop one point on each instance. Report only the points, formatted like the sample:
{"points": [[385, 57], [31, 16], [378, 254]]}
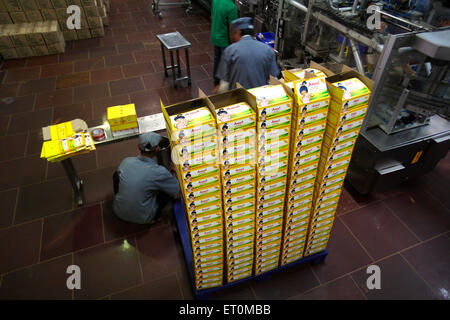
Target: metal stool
{"points": [[175, 41], [156, 4]]}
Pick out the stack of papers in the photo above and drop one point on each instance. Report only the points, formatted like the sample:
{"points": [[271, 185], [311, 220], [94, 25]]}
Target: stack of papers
{"points": [[63, 141]]}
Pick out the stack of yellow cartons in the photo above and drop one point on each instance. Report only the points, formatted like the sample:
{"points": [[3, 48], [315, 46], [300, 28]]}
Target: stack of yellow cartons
{"points": [[296, 74], [122, 120], [349, 100], [274, 118], [66, 140], [308, 127], [237, 159], [194, 149]]}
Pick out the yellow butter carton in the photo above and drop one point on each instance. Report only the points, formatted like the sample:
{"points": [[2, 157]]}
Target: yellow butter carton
{"points": [[187, 126], [295, 74], [272, 194], [198, 222], [334, 141], [348, 126], [268, 219], [273, 158], [293, 250], [307, 160], [296, 205], [201, 286], [240, 268], [295, 242], [307, 141], [319, 191], [268, 136], [271, 211], [321, 205], [205, 252], [272, 101], [338, 119], [273, 147], [279, 122], [236, 150], [292, 258], [304, 187], [306, 131], [239, 160], [311, 119], [261, 259], [267, 240], [234, 249], [246, 205], [200, 172], [273, 171], [303, 179], [206, 232], [330, 182], [239, 276], [208, 275], [206, 159], [316, 250], [270, 266], [343, 150], [199, 263], [269, 247], [241, 228], [303, 170], [267, 186], [238, 256], [325, 197], [332, 168], [236, 236], [349, 90], [265, 228], [120, 115], [236, 198], [299, 214], [237, 171], [241, 188], [216, 268], [265, 205], [241, 260], [238, 137], [310, 91], [200, 193], [299, 228], [300, 235], [301, 152], [198, 241], [304, 194], [262, 235], [236, 223], [235, 116], [324, 224], [196, 149], [237, 180], [210, 246], [240, 242], [204, 182]]}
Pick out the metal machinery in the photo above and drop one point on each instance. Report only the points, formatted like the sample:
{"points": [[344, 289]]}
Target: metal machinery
{"points": [[406, 131]]}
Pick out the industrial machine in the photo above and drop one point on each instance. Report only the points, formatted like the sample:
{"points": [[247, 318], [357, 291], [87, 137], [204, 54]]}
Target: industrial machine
{"points": [[404, 46]]}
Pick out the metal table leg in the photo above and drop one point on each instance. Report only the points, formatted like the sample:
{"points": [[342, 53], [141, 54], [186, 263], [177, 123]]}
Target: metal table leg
{"points": [[173, 69], [188, 68], [178, 63], [75, 180], [164, 60]]}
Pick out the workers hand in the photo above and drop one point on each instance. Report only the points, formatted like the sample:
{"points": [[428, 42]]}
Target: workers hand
{"points": [[216, 89]]}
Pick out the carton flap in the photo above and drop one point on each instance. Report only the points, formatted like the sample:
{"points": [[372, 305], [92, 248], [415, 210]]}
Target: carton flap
{"points": [[201, 94], [79, 125]]}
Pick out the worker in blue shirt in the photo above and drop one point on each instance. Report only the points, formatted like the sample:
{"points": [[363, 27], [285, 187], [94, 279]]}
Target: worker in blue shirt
{"points": [[142, 187], [247, 61]]}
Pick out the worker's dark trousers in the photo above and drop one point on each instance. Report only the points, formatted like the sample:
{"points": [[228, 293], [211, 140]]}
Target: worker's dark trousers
{"points": [[161, 197], [217, 56]]}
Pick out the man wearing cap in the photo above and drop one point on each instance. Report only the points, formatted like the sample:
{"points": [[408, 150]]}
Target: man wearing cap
{"points": [[142, 187], [222, 13], [247, 61]]}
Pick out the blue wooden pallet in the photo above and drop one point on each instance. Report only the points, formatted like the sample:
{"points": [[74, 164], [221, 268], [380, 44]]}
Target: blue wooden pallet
{"points": [[183, 229]]}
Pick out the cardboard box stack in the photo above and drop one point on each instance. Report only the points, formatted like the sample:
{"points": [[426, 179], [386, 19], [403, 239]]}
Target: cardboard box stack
{"points": [[94, 15], [308, 126], [66, 140], [350, 93], [191, 127], [23, 40], [122, 120], [274, 121], [236, 123]]}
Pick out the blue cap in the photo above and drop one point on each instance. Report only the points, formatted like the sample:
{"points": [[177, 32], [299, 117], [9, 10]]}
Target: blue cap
{"points": [[148, 141], [242, 23]]}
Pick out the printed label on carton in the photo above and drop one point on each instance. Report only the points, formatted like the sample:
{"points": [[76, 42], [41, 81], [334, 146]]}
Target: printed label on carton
{"points": [[306, 160], [273, 194], [204, 202], [302, 179], [237, 171], [305, 194], [236, 223], [190, 119], [311, 90], [274, 146], [322, 223], [304, 151], [202, 193], [274, 123], [352, 88], [240, 235], [241, 188], [239, 160], [236, 180], [350, 135], [266, 240], [200, 173], [238, 136], [313, 107], [273, 134], [266, 186], [233, 112], [244, 241], [310, 130], [273, 175], [191, 164], [310, 119]]}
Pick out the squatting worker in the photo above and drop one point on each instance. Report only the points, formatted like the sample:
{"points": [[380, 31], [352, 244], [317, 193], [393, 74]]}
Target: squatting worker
{"points": [[142, 187], [247, 61], [222, 13]]}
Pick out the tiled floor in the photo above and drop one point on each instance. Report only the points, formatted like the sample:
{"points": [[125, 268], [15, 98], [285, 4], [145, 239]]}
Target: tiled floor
{"points": [[405, 231]]}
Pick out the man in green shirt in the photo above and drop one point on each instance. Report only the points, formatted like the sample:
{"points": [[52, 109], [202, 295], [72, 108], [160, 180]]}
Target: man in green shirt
{"points": [[222, 13]]}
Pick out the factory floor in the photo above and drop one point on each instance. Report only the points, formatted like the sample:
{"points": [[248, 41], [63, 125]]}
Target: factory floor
{"points": [[405, 231]]}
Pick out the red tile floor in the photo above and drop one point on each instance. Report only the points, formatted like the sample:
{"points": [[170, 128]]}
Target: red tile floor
{"points": [[405, 232]]}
